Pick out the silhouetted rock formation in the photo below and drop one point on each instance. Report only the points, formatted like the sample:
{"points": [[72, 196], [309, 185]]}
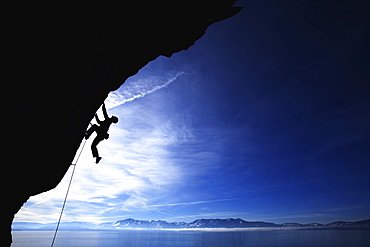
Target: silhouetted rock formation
{"points": [[62, 60]]}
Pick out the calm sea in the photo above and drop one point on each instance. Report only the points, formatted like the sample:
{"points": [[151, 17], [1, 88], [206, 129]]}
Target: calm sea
{"points": [[142, 238]]}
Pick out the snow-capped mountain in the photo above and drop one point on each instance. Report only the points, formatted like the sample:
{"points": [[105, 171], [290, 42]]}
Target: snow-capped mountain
{"points": [[227, 223], [151, 224]]}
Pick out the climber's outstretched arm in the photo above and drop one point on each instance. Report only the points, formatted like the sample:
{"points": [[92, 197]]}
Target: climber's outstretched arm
{"points": [[97, 119], [105, 111]]}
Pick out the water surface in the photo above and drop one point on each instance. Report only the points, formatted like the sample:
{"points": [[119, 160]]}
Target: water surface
{"points": [[154, 238]]}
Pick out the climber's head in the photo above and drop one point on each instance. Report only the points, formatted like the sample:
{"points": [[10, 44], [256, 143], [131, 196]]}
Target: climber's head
{"points": [[114, 119]]}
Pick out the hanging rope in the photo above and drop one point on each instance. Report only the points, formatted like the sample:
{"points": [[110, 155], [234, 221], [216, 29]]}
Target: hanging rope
{"points": [[65, 199]]}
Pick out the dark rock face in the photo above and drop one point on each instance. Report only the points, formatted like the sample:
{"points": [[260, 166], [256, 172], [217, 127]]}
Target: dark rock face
{"points": [[62, 60]]}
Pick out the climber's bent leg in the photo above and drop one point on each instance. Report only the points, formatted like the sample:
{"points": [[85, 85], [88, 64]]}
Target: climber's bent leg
{"points": [[93, 128]]}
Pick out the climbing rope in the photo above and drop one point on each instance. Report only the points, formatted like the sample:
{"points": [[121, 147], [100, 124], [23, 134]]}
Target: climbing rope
{"points": [[65, 199]]}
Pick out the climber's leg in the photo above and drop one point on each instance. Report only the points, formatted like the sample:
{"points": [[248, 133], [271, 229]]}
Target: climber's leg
{"points": [[94, 148]]}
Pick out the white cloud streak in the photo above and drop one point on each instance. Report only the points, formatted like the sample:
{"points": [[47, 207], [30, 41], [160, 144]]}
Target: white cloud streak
{"points": [[132, 90], [191, 203]]}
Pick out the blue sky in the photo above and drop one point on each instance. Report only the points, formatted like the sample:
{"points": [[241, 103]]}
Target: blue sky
{"points": [[265, 118]]}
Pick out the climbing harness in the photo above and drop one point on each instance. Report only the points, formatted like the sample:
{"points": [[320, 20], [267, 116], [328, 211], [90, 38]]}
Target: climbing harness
{"points": [[65, 199]]}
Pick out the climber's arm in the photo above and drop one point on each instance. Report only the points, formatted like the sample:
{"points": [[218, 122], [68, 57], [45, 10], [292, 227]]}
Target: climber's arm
{"points": [[105, 111], [97, 119]]}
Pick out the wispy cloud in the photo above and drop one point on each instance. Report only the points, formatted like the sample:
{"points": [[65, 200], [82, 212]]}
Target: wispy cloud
{"points": [[135, 89], [190, 203]]}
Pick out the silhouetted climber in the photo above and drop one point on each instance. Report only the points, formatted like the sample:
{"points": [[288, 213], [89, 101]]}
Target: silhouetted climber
{"points": [[101, 131]]}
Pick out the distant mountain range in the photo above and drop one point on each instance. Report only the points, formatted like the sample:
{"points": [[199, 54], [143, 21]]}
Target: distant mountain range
{"points": [[197, 224]]}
